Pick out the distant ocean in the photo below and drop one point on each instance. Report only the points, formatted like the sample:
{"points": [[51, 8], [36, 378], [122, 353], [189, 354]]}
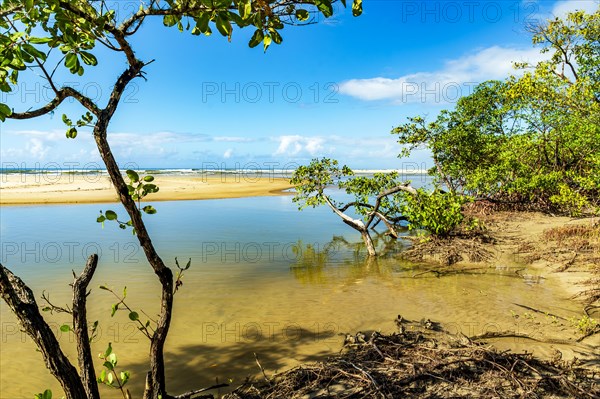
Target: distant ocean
{"points": [[258, 172]]}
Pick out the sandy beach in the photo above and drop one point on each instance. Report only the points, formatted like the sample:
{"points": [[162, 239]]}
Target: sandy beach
{"points": [[21, 189]]}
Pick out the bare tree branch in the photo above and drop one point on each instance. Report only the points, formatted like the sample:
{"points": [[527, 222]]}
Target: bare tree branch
{"points": [[21, 301], [80, 328]]}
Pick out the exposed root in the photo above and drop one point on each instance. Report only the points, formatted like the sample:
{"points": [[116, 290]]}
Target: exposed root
{"points": [[424, 364]]}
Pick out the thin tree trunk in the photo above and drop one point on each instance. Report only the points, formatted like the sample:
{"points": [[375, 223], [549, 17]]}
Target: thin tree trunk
{"points": [[21, 301], [80, 328], [368, 242]]}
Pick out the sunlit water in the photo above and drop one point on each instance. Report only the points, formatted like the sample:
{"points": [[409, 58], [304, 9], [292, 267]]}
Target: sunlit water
{"points": [[264, 279]]}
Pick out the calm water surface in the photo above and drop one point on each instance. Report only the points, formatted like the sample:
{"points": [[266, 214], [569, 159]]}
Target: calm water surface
{"points": [[265, 279]]}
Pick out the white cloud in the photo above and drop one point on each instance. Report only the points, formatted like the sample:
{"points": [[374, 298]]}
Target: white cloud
{"points": [[297, 145], [231, 139], [562, 8], [455, 79], [228, 153]]}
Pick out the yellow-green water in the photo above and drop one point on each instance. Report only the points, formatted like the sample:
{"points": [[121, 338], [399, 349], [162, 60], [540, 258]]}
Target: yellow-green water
{"points": [[254, 287]]}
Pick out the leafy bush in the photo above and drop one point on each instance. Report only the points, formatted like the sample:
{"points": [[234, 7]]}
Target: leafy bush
{"points": [[437, 212]]}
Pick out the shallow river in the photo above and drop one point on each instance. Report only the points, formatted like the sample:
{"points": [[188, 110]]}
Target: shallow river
{"points": [[264, 279]]}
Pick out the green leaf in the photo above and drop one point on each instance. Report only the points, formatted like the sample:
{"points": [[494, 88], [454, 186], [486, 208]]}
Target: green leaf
{"points": [[133, 316], [302, 15], [34, 52], [109, 366], [148, 178], [357, 8], [112, 358], [4, 111], [72, 62], [110, 378], [267, 42], [102, 377], [257, 37], [107, 352], [47, 394], [149, 209], [202, 22], [111, 215], [170, 20], [223, 26], [276, 37], [28, 8], [114, 309], [40, 40], [133, 176], [325, 7], [124, 292], [88, 58], [71, 133], [65, 328], [124, 377]]}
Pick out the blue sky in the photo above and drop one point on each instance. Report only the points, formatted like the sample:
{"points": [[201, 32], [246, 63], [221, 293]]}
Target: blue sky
{"points": [[332, 89]]}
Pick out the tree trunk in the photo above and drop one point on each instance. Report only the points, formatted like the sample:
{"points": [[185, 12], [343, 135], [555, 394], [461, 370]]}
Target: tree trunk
{"points": [[368, 242], [80, 328], [21, 301]]}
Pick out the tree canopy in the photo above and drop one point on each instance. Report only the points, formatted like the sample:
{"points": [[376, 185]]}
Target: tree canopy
{"points": [[533, 140]]}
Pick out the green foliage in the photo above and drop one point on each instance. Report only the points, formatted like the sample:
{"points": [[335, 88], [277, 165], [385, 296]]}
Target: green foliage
{"points": [[138, 188], [47, 394], [310, 181], [531, 141], [585, 326], [436, 212], [109, 375], [52, 34]]}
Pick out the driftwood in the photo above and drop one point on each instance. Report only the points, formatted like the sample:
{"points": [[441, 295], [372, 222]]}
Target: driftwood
{"points": [[424, 364]]}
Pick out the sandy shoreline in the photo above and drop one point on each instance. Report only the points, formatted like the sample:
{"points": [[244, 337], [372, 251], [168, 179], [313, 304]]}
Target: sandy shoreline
{"points": [[70, 189]]}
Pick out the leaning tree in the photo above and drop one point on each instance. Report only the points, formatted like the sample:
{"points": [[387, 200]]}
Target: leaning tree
{"points": [[373, 199], [41, 37]]}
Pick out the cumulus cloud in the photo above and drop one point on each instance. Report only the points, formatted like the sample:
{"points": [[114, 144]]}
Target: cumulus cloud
{"points": [[455, 79], [227, 154], [294, 145]]}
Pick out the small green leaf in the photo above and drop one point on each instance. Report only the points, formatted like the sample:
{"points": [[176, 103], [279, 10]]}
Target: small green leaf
{"points": [[276, 37], [103, 287], [325, 7], [148, 178], [88, 58], [133, 176], [114, 309], [108, 365], [102, 377], [110, 378], [4, 111], [108, 351], [302, 15], [124, 377], [40, 40], [223, 26], [257, 37], [149, 209], [111, 215], [267, 42], [170, 20], [133, 316], [65, 328], [71, 133], [357, 8], [112, 358]]}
